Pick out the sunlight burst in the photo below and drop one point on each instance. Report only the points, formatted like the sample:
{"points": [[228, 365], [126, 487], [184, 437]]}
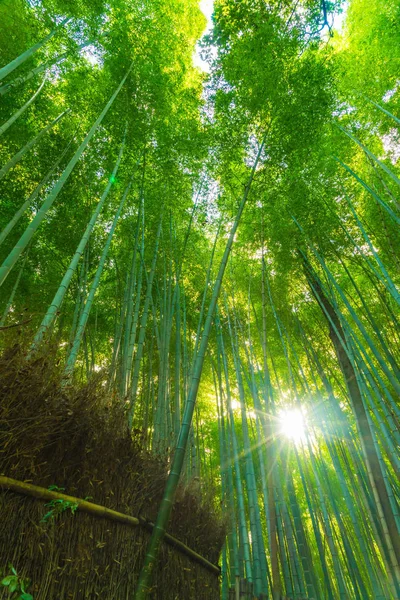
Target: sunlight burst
{"points": [[292, 424]]}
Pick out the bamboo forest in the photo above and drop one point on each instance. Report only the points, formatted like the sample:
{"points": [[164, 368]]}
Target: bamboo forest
{"points": [[199, 299]]}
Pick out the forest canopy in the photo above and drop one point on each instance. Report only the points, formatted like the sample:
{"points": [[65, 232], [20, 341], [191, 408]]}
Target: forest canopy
{"points": [[220, 248]]}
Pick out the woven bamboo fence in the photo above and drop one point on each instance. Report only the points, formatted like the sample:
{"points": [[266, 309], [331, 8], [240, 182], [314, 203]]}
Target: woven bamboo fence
{"points": [[77, 440]]}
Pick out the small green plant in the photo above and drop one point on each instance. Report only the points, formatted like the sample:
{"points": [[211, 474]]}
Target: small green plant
{"points": [[55, 488], [58, 506], [16, 586]]}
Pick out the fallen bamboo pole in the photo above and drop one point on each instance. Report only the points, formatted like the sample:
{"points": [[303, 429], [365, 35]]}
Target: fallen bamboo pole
{"points": [[27, 489], [184, 549]]}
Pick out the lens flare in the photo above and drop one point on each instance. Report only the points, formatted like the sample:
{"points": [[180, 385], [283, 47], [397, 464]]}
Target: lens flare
{"points": [[292, 424]]}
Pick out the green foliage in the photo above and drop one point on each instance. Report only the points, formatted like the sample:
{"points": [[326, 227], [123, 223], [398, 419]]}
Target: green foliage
{"points": [[58, 506], [324, 201], [16, 586]]}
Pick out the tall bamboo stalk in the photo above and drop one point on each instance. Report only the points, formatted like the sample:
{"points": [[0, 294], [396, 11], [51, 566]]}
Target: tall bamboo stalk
{"points": [[9, 68], [20, 111], [371, 457], [64, 285], [33, 226], [177, 462], [73, 355], [32, 197], [17, 157], [142, 329]]}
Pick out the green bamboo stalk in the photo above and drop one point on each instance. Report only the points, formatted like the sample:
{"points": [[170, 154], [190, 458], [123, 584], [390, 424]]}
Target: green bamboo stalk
{"points": [[393, 503], [304, 551], [86, 355], [342, 588], [73, 355], [185, 373], [363, 500], [130, 310], [189, 228], [359, 249], [142, 329], [170, 302], [119, 318], [299, 582], [135, 289], [389, 114], [370, 191], [80, 296], [176, 304], [20, 111], [177, 382], [154, 312], [9, 68], [29, 201], [269, 447], [33, 226], [7, 87], [376, 377], [317, 533], [55, 305], [159, 440], [150, 400], [282, 334], [262, 441], [259, 548], [116, 363], [357, 577], [390, 285], [13, 161], [203, 301], [374, 325], [132, 338], [360, 326], [224, 575], [370, 343], [194, 465], [365, 376], [226, 477], [371, 458], [287, 579], [371, 155], [201, 458], [244, 538], [13, 291], [383, 184], [177, 462], [350, 504]]}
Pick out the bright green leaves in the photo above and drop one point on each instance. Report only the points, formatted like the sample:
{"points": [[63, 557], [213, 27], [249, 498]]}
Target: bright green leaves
{"points": [[16, 585], [57, 507], [370, 45]]}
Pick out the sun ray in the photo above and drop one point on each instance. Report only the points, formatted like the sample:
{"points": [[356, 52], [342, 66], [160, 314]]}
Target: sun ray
{"points": [[292, 424]]}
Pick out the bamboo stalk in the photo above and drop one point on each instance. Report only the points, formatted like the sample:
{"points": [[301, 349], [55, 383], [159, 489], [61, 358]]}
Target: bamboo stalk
{"points": [[89, 302], [9, 68], [59, 296], [32, 197], [6, 87], [177, 462], [97, 510], [14, 159], [28, 489], [21, 110], [10, 261]]}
